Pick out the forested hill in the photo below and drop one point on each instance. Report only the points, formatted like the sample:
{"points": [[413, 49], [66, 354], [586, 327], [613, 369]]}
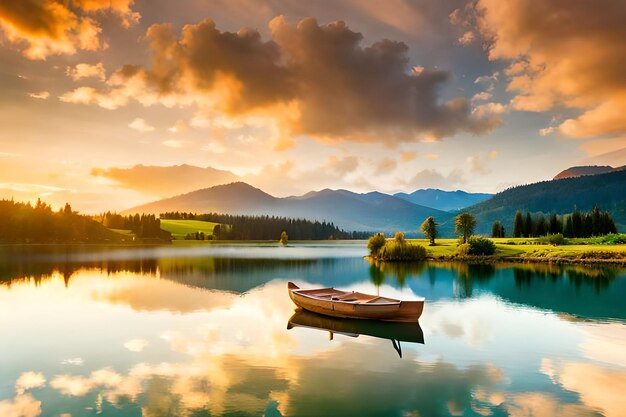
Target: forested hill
{"points": [[557, 196], [24, 223]]}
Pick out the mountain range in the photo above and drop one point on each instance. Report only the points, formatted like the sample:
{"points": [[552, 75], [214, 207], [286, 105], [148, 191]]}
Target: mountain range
{"points": [[580, 187], [348, 210]]}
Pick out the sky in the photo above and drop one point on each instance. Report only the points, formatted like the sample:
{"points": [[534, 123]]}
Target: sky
{"points": [[107, 104]]}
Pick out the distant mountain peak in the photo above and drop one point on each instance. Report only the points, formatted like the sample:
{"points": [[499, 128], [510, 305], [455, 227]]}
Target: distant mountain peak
{"points": [[584, 170], [443, 200]]}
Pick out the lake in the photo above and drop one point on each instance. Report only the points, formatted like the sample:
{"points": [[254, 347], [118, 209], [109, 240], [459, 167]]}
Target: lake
{"points": [[207, 330]]}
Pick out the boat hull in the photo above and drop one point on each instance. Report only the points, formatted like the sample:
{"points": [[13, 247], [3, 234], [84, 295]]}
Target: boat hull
{"points": [[402, 311]]}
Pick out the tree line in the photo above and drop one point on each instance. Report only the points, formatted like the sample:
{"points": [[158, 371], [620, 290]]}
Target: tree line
{"points": [[577, 224], [573, 225], [242, 227], [145, 226], [27, 223]]}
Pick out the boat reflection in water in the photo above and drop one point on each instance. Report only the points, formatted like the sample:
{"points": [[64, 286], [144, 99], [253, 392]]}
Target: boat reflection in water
{"points": [[396, 332]]}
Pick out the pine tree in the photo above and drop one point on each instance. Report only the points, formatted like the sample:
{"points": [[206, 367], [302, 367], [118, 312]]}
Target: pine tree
{"points": [[518, 225], [528, 226]]}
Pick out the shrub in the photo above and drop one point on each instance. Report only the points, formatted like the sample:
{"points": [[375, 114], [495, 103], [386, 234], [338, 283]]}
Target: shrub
{"points": [[395, 251], [476, 245], [463, 249], [555, 240], [399, 238], [612, 239], [481, 246], [375, 243]]}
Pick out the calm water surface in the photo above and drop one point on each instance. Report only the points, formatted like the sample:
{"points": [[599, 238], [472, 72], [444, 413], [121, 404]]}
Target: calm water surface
{"points": [[203, 331]]}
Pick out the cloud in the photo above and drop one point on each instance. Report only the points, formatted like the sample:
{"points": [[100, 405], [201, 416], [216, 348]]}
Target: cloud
{"points": [[431, 178], [29, 380], [23, 405], [114, 384], [32, 188], [136, 345], [479, 163], [408, 156], [547, 131], [431, 156], [308, 79], [482, 96], [73, 361], [179, 126], [50, 27], [342, 166], [561, 55], [42, 95], [539, 404], [467, 38], [86, 71], [166, 181], [600, 388], [141, 125], [385, 166], [174, 143]]}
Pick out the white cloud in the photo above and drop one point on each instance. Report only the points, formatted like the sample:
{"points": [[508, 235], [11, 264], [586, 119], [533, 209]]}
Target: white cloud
{"points": [[73, 361], [547, 131], [214, 147], [136, 345], [141, 125], [42, 95], [174, 143]]}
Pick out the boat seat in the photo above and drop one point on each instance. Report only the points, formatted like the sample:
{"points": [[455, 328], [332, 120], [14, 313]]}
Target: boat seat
{"points": [[344, 299], [378, 300], [324, 294]]}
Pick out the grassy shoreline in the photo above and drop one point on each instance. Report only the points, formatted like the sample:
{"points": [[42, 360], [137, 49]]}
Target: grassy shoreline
{"points": [[529, 250]]}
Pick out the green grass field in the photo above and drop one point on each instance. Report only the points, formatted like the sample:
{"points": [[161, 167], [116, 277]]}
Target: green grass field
{"points": [[180, 228], [528, 248]]}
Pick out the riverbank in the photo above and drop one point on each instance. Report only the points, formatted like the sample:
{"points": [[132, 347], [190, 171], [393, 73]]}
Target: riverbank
{"points": [[527, 250]]}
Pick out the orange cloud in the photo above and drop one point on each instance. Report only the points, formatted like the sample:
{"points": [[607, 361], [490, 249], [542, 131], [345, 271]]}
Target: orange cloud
{"points": [[52, 27], [166, 181], [408, 156], [87, 71], [567, 54], [317, 80], [602, 146]]}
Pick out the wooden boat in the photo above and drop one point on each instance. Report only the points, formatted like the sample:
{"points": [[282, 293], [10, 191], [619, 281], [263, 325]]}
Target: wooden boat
{"points": [[356, 305]]}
